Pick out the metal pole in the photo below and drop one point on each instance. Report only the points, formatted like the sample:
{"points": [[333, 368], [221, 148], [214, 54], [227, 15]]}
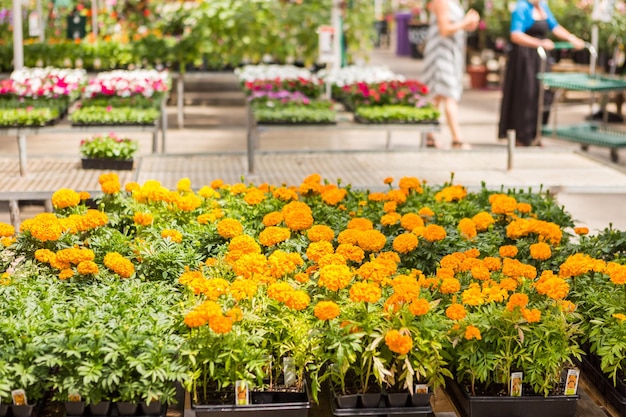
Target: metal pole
{"points": [[21, 144], [336, 23], [180, 91], [94, 18], [250, 139], [542, 72], [18, 44], [510, 144], [163, 124], [40, 19]]}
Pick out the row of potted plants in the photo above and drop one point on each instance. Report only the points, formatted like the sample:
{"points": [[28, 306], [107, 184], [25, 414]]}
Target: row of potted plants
{"points": [[278, 285]]}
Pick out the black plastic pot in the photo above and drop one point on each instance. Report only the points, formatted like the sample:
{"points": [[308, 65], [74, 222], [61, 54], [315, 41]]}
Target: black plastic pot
{"points": [[370, 399], [397, 399], [152, 409], [505, 406], [347, 401], [114, 164], [126, 408], [4, 410], [100, 409], [420, 400], [74, 408], [22, 410]]}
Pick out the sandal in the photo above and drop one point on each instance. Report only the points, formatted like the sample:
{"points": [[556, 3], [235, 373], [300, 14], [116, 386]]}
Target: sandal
{"points": [[430, 141], [461, 145]]}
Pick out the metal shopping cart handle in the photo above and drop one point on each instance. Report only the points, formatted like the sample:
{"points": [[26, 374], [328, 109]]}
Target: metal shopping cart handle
{"points": [[565, 46]]}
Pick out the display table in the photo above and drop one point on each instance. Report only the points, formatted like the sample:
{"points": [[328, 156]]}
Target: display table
{"points": [[64, 126], [345, 121]]}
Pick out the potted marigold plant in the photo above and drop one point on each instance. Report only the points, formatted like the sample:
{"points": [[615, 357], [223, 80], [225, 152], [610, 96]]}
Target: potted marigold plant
{"points": [[108, 151]]}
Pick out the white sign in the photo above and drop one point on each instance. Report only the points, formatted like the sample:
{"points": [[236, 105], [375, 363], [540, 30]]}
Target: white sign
{"points": [[603, 10], [34, 29], [326, 44]]}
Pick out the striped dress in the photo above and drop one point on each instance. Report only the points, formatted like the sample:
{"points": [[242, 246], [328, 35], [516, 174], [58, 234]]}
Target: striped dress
{"points": [[444, 57]]}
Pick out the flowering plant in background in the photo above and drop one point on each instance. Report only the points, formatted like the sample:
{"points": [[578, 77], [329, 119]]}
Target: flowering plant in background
{"points": [[412, 283], [126, 83], [275, 78], [410, 93], [352, 74], [108, 146], [46, 82]]}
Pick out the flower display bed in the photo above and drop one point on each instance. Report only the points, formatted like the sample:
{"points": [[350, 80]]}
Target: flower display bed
{"points": [[396, 114]]}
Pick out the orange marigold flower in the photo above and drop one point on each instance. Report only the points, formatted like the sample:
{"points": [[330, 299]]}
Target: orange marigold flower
{"points": [[509, 284], [620, 316], [502, 204], [390, 207], [453, 260], [450, 286], [492, 263], [188, 202], [183, 185], [254, 196], [298, 300], [235, 314], [208, 192], [531, 316], [7, 241], [334, 277], [410, 221], [173, 235], [508, 251], [216, 184], [215, 287], [371, 240], [467, 228], [410, 183], [399, 196], [426, 212], [455, 312], [195, 319], [388, 180], [317, 250], [419, 306], [334, 196], [517, 300], [581, 230], [377, 197], [331, 259], [118, 264], [44, 255], [242, 288], [64, 198], [472, 332], [132, 186], [326, 310], [524, 208], [44, 227], [285, 194], [6, 230], [398, 342], [366, 292], [298, 220], [350, 252], [143, 219], [617, 273], [554, 287], [280, 291], [301, 277], [84, 195], [349, 236], [210, 309], [451, 193], [272, 219], [540, 251], [221, 324], [229, 228], [273, 235], [390, 219], [482, 221], [445, 273], [66, 273], [92, 220], [320, 232], [405, 243], [566, 306], [473, 296], [111, 187], [434, 233], [360, 223], [481, 272], [87, 268]]}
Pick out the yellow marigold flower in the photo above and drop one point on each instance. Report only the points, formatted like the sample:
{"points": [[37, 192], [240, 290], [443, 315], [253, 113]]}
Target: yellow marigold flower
{"points": [[398, 342], [214, 288], [467, 229], [64, 198], [334, 277], [405, 243], [399, 196], [349, 236], [5, 279], [450, 286], [44, 255], [617, 273], [502, 204], [118, 264], [472, 332], [334, 196], [66, 273], [455, 312], [7, 241], [209, 309], [531, 316], [221, 324], [620, 316], [207, 192], [581, 230], [87, 268], [360, 223], [445, 273], [426, 212], [111, 187], [451, 193], [473, 296], [517, 300], [44, 227], [390, 219], [482, 221], [320, 232], [188, 202], [540, 251], [524, 208], [173, 235], [388, 180], [351, 252], [390, 207], [508, 251], [326, 310], [229, 228], [480, 272], [363, 291], [419, 306], [280, 291], [238, 188], [410, 221], [272, 219], [143, 219], [131, 187], [509, 284], [434, 233], [566, 306], [242, 289], [216, 184], [298, 300], [410, 183], [371, 240], [273, 235], [6, 230]]}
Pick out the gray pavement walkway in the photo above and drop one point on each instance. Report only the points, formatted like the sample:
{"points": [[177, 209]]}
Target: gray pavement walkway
{"points": [[213, 143]]}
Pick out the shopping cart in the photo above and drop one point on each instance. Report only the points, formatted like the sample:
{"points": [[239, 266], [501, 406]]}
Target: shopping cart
{"points": [[598, 134]]}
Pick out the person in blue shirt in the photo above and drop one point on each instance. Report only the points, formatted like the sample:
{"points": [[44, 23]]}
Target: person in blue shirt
{"points": [[531, 24]]}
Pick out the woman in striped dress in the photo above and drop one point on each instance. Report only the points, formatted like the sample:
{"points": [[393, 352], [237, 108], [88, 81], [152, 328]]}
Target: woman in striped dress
{"points": [[444, 59]]}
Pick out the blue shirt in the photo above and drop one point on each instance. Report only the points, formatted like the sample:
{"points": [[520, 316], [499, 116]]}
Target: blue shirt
{"points": [[522, 17]]}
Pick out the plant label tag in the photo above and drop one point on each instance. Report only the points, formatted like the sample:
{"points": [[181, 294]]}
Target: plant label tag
{"points": [[571, 383], [516, 384], [74, 397], [19, 397], [242, 393], [289, 371], [421, 389]]}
